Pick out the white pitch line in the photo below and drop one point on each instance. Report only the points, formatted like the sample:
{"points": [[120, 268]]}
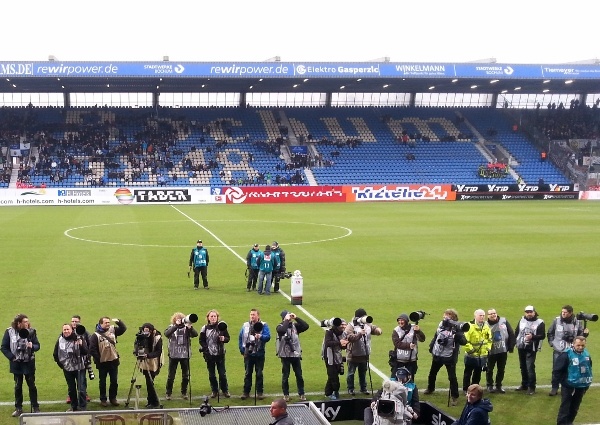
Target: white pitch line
{"points": [[313, 318]]}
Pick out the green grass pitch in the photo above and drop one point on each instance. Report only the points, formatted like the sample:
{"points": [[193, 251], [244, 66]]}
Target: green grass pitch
{"points": [[131, 262]]}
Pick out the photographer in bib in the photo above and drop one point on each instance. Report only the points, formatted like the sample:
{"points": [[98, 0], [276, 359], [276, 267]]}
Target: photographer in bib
{"points": [[503, 342], [334, 342], [287, 346], [179, 336], [530, 334], [19, 345], [213, 337], [78, 327], [405, 338], [444, 348], [199, 262], [479, 342], [104, 352], [252, 267], [574, 367], [561, 334], [358, 333], [70, 352], [148, 351], [251, 341]]}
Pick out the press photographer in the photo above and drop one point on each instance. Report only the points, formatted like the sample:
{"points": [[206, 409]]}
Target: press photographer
{"points": [[179, 335], [81, 332], [103, 348], [70, 352], [358, 333], [444, 348], [148, 350], [479, 343], [405, 338], [251, 341], [289, 351], [397, 402], [561, 334], [19, 345], [334, 342], [530, 334], [213, 337]]}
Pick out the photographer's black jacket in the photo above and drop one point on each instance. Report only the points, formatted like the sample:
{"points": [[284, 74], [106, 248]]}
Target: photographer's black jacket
{"points": [[25, 367], [209, 340]]}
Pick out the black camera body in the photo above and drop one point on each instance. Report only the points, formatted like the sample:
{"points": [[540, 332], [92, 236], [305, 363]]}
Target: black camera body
{"points": [[284, 275], [205, 407], [455, 326], [140, 343]]}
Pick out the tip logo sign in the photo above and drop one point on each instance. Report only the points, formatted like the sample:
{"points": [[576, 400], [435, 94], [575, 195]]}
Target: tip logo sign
{"points": [[508, 70], [235, 195], [179, 68]]}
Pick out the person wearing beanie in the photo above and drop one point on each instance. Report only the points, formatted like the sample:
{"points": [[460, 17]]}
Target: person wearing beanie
{"points": [[531, 331], [104, 352], [252, 267], [333, 344], [150, 359], [199, 262], [405, 338], [358, 332], [287, 347]]}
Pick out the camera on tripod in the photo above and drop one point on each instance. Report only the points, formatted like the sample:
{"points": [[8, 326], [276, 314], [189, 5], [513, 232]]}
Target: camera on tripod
{"points": [[140, 343]]}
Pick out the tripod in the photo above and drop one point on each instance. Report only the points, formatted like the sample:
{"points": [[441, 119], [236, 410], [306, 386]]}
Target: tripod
{"points": [[138, 365]]}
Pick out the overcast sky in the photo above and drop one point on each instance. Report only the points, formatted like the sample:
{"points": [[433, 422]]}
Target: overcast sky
{"points": [[512, 31]]}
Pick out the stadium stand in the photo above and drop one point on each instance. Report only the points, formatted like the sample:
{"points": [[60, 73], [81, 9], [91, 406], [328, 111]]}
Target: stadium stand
{"points": [[87, 147]]}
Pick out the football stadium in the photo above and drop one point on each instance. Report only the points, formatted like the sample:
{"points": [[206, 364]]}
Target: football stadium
{"points": [[132, 191]]}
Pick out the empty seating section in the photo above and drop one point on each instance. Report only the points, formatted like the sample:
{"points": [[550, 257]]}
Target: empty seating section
{"points": [[223, 146]]}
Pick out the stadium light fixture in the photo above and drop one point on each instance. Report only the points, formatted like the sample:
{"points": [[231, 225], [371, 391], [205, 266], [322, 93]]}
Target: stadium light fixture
{"points": [[474, 86], [569, 82], [546, 81], [494, 81], [385, 86], [342, 87], [455, 80], [295, 85], [305, 80], [504, 91], [431, 88], [545, 90], [517, 88]]}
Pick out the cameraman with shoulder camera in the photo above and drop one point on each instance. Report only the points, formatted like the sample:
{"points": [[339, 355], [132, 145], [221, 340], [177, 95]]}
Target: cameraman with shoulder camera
{"points": [[179, 335], [213, 337], [333, 344], [70, 352], [479, 342], [104, 352], [251, 341], [444, 348], [358, 333], [148, 350], [289, 351], [19, 344], [530, 334], [252, 265], [401, 389], [279, 264], [405, 338], [561, 334]]}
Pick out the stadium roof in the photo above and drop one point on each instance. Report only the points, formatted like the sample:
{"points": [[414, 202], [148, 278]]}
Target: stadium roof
{"points": [[306, 77]]}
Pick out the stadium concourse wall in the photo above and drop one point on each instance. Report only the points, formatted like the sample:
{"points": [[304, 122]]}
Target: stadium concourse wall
{"points": [[288, 194]]}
